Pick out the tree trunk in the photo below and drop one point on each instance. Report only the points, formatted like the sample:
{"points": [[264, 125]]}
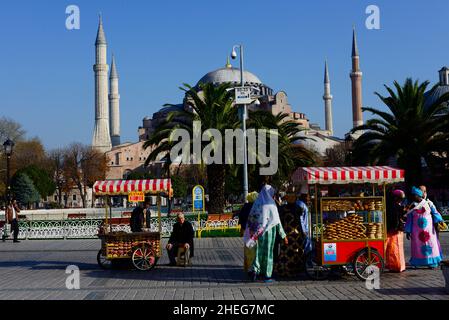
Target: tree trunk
{"points": [[216, 174]]}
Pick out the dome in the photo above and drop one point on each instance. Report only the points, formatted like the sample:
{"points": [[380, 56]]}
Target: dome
{"points": [[432, 96], [229, 75]]}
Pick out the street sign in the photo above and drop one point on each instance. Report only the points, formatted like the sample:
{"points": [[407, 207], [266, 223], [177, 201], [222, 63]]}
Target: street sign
{"points": [[198, 198], [243, 95], [136, 196]]}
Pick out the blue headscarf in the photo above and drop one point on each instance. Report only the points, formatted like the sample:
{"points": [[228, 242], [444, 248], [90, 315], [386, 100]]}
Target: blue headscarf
{"points": [[417, 192]]}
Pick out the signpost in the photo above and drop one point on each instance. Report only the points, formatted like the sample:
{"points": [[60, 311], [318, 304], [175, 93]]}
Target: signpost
{"points": [[198, 203]]}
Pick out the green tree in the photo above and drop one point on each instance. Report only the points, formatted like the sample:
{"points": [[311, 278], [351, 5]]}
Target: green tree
{"points": [[408, 132], [41, 180], [213, 106], [180, 186], [24, 190]]}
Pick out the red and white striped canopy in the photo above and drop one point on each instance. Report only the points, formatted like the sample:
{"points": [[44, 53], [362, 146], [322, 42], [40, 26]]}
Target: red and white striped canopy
{"points": [[345, 175], [123, 187]]}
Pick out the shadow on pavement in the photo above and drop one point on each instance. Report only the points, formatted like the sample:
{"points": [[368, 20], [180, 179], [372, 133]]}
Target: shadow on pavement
{"points": [[413, 291]]}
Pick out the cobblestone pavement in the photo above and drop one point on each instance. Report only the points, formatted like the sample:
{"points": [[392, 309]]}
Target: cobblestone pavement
{"points": [[36, 270]]}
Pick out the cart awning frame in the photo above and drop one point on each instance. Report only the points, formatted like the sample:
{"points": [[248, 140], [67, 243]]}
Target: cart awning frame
{"points": [[124, 187], [347, 175]]}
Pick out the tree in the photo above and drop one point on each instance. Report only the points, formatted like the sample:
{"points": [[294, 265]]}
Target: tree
{"points": [[83, 166], [409, 132], [180, 186], [61, 180], [213, 106], [41, 180], [11, 129], [337, 156], [24, 190], [291, 154]]}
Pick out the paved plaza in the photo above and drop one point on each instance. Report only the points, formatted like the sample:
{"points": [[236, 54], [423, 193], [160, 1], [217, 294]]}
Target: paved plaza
{"points": [[36, 270]]}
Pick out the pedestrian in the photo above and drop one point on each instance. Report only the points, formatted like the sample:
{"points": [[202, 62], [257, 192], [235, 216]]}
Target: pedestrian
{"points": [[181, 236], [396, 215], [437, 218], [12, 217], [262, 227], [425, 250], [248, 254], [137, 219]]}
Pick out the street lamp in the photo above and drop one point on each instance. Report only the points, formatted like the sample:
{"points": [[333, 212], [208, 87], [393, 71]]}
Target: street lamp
{"points": [[244, 116], [8, 148]]}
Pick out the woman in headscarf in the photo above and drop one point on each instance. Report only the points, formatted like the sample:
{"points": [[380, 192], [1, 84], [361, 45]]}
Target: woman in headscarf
{"points": [[248, 254], [421, 231], [395, 258], [260, 233]]}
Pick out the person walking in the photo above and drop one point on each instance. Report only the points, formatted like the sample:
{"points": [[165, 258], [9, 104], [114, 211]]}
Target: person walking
{"points": [[396, 215], [12, 215], [248, 254], [262, 227], [137, 219], [425, 250]]}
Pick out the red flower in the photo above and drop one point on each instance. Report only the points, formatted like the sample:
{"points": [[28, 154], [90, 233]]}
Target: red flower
{"points": [[424, 236]]}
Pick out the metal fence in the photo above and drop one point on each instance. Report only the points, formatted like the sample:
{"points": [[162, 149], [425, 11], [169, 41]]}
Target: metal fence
{"points": [[88, 228]]}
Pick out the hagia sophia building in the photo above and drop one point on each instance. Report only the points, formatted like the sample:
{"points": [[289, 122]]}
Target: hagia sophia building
{"points": [[127, 157]]}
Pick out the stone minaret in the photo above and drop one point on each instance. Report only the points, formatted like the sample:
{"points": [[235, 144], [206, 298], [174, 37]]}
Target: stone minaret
{"points": [[101, 140], [327, 97], [356, 79], [114, 104]]}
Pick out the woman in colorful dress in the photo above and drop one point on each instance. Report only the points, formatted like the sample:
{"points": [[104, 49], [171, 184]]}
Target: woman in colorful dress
{"points": [[395, 258], [260, 233], [421, 231]]}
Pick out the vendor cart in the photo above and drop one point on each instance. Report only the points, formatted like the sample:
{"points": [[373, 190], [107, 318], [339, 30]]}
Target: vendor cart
{"points": [[348, 228], [142, 248]]}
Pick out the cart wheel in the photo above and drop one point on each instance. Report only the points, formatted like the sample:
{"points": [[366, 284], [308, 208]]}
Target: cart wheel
{"points": [[314, 270], [144, 258], [364, 263], [103, 262]]}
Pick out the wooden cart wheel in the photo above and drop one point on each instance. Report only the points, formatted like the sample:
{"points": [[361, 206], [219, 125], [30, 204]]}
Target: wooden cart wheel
{"points": [[314, 270], [103, 262], [365, 263], [143, 258]]}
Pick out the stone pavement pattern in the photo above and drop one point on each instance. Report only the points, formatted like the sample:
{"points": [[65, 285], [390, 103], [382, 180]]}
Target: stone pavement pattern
{"points": [[36, 270]]}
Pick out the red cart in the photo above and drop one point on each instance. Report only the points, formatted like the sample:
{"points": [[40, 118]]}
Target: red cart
{"points": [[347, 231]]}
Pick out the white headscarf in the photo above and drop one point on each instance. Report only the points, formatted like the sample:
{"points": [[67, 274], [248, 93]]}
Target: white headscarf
{"points": [[264, 215]]}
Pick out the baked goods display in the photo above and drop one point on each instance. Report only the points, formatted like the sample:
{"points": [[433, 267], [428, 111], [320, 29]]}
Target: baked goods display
{"points": [[124, 248], [348, 228], [352, 205], [374, 231]]}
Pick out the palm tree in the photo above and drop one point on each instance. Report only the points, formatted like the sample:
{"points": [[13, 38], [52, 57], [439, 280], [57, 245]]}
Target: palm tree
{"points": [[291, 154], [213, 106], [408, 133]]}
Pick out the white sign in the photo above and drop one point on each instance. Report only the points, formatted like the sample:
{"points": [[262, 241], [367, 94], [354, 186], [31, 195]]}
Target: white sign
{"points": [[243, 95]]}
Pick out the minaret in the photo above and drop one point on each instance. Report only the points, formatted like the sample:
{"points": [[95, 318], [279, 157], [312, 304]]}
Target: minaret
{"points": [[114, 104], [327, 97], [101, 140], [356, 79]]}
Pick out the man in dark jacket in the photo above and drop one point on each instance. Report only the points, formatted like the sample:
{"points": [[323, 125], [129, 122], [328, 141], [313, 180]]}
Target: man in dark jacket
{"points": [[136, 221], [181, 236]]}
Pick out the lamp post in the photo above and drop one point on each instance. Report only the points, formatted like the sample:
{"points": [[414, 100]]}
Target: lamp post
{"points": [[244, 116], [8, 147]]}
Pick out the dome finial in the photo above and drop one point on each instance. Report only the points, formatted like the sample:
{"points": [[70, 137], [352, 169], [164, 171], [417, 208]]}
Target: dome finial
{"points": [[228, 64]]}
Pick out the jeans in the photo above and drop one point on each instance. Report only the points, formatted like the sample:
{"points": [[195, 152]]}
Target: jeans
{"points": [[15, 228]]}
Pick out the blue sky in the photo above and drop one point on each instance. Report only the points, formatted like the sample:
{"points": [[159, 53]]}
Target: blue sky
{"points": [[47, 82]]}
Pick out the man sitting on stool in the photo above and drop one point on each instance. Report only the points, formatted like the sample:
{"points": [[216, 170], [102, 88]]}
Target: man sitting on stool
{"points": [[181, 237]]}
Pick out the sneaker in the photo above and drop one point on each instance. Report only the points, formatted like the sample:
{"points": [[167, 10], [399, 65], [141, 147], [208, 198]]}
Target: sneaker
{"points": [[16, 241], [268, 280]]}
